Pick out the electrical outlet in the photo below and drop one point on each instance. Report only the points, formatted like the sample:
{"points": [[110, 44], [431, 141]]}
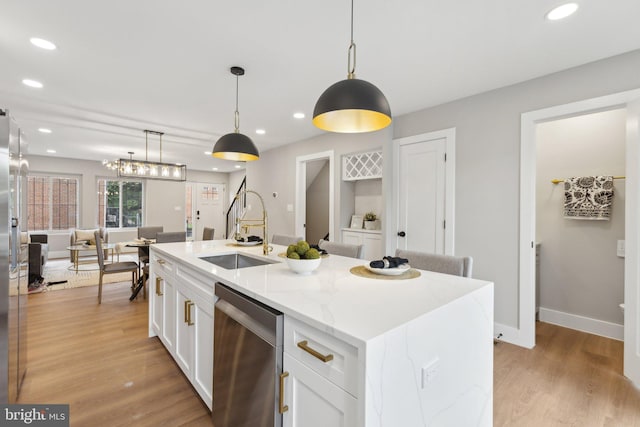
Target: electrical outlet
{"points": [[289, 207], [430, 371], [620, 248]]}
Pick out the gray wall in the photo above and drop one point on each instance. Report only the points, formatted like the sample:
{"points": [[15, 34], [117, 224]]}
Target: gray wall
{"points": [[579, 270], [317, 209], [488, 159], [487, 164], [276, 172]]}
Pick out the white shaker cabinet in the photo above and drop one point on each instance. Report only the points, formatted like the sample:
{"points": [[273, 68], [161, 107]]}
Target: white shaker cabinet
{"points": [[313, 401], [370, 239], [162, 300]]}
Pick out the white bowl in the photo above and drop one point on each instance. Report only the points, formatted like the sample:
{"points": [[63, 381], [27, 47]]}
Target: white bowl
{"points": [[303, 266]]}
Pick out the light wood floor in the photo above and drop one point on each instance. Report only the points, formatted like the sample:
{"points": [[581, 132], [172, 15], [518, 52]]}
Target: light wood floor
{"points": [[569, 379], [98, 359]]}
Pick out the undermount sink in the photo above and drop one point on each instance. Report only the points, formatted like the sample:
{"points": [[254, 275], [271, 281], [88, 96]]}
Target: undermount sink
{"points": [[234, 261]]}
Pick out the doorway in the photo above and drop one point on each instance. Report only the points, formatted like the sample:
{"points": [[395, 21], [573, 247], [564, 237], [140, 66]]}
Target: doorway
{"points": [[317, 195], [325, 213], [524, 334], [204, 208]]}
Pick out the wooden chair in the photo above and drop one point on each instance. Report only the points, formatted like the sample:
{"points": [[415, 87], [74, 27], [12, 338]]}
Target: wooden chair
{"points": [[447, 264], [114, 267], [207, 233], [281, 239], [343, 249]]}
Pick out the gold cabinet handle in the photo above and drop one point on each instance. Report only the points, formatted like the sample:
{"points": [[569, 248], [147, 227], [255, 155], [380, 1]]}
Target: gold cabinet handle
{"points": [[186, 311], [189, 321], [282, 408], [158, 280], [305, 346], [161, 261]]}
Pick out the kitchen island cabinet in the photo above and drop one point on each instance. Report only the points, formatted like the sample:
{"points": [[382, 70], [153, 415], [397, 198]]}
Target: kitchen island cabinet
{"points": [[403, 352]]}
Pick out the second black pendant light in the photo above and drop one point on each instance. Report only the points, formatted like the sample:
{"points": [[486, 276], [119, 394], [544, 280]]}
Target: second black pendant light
{"points": [[236, 146], [352, 105]]}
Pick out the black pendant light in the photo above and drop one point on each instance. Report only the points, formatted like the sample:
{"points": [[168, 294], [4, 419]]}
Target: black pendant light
{"points": [[352, 105], [236, 146]]}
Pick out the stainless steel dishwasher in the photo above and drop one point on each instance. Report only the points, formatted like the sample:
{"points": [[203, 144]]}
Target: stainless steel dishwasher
{"points": [[247, 361]]}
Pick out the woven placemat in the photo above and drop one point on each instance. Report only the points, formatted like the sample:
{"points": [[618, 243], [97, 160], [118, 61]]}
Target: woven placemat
{"points": [[362, 271]]}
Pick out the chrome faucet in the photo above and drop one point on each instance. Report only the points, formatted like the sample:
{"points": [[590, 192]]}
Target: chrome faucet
{"points": [[246, 224]]}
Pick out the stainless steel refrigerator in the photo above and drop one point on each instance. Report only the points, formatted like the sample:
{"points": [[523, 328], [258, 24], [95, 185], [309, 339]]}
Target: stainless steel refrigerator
{"points": [[13, 259]]}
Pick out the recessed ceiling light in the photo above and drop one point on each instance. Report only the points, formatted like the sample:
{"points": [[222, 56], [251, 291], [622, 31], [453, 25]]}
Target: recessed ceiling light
{"points": [[44, 130], [562, 11], [298, 115], [32, 83], [207, 153], [215, 169], [51, 151], [238, 166], [42, 43], [261, 131]]}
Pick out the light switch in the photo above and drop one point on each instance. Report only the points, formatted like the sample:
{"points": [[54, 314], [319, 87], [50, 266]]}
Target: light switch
{"points": [[620, 248], [289, 207]]}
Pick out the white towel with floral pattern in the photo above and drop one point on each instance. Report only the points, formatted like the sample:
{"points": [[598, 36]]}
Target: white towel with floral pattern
{"points": [[588, 197]]}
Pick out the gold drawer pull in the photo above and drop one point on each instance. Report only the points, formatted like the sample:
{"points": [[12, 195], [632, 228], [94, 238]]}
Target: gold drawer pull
{"points": [[161, 261], [189, 321], [186, 311], [158, 280], [282, 408], [305, 346]]}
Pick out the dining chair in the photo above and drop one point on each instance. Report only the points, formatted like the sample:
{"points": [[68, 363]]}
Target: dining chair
{"points": [[114, 267], [343, 249], [171, 236], [147, 233], [447, 264], [207, 233], [284, 240]]}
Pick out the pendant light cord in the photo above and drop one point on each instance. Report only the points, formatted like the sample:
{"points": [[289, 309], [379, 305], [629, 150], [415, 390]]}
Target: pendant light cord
{"points": [[237, 113], [351, 52]]}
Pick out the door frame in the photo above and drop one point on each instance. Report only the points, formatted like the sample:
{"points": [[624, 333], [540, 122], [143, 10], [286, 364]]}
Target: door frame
{"points": [[301, 191], [524, 333], [449, 136]]}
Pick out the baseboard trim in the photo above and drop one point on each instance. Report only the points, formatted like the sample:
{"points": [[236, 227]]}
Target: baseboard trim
{"points": [[581, 323]]}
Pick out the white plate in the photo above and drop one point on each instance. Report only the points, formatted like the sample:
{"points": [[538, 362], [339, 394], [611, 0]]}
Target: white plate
{"points": [[248, 243], [388, 271]]}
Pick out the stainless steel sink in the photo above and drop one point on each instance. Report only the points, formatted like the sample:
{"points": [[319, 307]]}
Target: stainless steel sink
{"points": [[233, 261]]}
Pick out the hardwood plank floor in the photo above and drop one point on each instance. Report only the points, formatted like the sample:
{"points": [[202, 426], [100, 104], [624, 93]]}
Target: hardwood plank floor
{"points": [[569, 379], [98, 359]]}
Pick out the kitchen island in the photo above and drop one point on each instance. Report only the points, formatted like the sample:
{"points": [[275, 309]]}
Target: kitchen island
{"points": [[406, 353]]}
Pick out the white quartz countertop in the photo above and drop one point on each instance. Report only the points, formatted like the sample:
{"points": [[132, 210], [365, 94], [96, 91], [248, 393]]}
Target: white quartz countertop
{"points": [[349, 307]]}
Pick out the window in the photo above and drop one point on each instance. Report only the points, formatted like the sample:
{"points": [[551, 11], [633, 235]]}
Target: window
{"points": [[52, 202], [120, 203]]}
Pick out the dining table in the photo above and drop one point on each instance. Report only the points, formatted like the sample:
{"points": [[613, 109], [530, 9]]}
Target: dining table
{"points": [[142, 244]]}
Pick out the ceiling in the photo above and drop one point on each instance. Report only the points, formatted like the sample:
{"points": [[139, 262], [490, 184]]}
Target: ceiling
{"points": [[124, 66]]}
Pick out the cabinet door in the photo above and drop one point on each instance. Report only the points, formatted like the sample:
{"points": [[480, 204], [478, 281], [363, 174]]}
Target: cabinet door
{"points": [[313, 401], [184, 333], [168, 334], [203, 353], [372, 246], [351, 238]]}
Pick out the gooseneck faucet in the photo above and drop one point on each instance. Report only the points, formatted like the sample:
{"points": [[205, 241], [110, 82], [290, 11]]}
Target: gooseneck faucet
{"points": [[248, 223]]}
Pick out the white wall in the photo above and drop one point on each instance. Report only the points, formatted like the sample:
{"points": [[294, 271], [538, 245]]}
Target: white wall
{"points": [[580, 273], [368, 197]]}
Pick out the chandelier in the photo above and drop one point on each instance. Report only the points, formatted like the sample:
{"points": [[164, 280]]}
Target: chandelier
{"points": [[131, 168]]}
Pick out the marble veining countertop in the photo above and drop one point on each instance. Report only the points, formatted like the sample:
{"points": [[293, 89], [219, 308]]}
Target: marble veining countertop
{"points": [[332, 299]]}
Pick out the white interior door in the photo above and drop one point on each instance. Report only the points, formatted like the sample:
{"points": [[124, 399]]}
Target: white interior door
{"points": [[209, 209], [632, 247], [421, 195]]}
